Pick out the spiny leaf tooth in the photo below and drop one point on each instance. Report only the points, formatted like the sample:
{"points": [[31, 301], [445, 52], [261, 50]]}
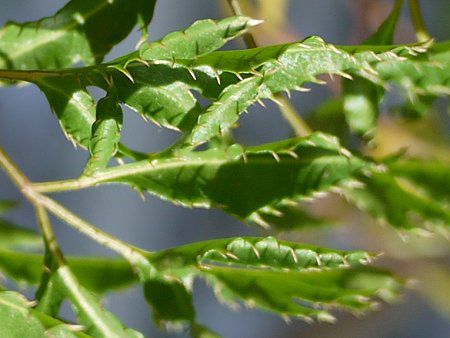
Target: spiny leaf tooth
{"points": [[256, 217], [306, 319], [123, 70], [292, 153], [345, 75], [231, 255], [261, 102], [192, 73], [275, 156], [375, 56], [318, 81], [254, 22], [304, 89], [326, 317]]}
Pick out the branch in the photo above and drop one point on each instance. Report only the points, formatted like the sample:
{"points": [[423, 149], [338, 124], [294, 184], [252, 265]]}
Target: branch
{"points": [[132, 254]]}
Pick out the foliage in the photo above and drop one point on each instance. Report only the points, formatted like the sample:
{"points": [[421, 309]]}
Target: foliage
{"points": [[206, 168]]}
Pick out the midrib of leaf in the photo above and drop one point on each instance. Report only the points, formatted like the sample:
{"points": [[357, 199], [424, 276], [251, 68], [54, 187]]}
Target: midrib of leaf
{"points": [[71, 285], [57, 35], [12, 305]]}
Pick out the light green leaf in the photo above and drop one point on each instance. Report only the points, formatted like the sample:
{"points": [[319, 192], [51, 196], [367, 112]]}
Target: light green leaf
{"points": [[18, 319], [255, 252], [263, 175], [80, 31], [105, 132]]}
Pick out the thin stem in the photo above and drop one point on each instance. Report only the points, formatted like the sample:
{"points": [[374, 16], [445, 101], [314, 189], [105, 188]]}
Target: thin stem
{"points": [[418, 22], [297, 123], [49, 235], [132, 254]]}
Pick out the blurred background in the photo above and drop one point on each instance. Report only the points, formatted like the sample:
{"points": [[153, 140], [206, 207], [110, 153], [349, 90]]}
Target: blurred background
{"points": [[31, 134]]}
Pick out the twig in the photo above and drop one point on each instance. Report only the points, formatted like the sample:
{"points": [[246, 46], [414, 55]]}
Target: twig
{"points": [[132, 254]]}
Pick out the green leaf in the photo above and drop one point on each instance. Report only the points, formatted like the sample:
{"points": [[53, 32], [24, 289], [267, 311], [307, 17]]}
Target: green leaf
{"points": [[276, 69], [255, 252], [432, 177], [200, 38], [286, 216], [200, 331], [18, 319], [161, 93], [73, 106], [385, 33], [105, 132], [423, 78], [7, 205], [274, 274], [96, 274], [156, 92], [80, 31], [170, 300], [263, 175], [400, 205], [298, 293], [13, 236], [98, 321], [361, 98]]}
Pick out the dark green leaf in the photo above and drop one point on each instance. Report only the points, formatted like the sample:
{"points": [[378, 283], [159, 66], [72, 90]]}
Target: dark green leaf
{"points": [[400, 205], [96, 274], [13, 236], [80, 31], [262, 175], [297, 293], [105, 132], [170, 300], [361, 98]]}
